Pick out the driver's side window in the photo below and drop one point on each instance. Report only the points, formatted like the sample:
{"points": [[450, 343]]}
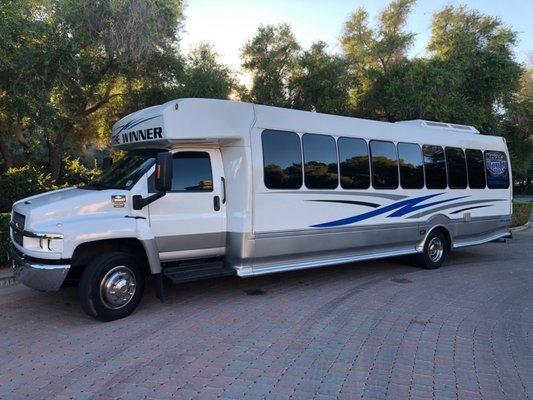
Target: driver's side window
{"points": [[192, 172]]}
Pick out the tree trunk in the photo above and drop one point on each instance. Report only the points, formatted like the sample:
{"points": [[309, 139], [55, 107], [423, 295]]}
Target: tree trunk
{"points": [[19, 134], [6, 154], [55, 152]]}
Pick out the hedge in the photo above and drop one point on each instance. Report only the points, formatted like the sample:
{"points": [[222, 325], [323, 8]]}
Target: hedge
{"points": [[4, 238], [18, 183], [521, 213]]}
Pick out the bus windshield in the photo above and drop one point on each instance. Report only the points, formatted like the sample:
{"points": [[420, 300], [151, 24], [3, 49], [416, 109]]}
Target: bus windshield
{"points": [[126, 172]]}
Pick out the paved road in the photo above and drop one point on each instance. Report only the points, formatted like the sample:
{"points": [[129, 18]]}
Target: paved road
{"points": [[376, 330]]}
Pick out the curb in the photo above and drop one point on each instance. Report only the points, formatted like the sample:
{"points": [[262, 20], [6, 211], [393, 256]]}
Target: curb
{"points": [[521, 228], [8, 280]]}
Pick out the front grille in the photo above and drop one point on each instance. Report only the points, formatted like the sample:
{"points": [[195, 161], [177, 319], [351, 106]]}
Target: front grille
{"points": [[19, 221]]}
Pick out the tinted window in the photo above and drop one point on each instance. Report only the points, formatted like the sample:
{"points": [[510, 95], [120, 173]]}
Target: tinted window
{"points": [[354, 163], [320, 158], [384, 165], [411, 166], [282, 160], [191, 172], [476, 169], [456, 164], [497, 170], [435, 167]]}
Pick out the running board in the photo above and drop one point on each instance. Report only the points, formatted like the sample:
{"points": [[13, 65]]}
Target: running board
{"points": [[196, 270], [487, 239], [269, 269]]}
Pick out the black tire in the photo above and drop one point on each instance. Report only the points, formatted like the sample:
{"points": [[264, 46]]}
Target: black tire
{"points": [[94, 296], [435, 251]]}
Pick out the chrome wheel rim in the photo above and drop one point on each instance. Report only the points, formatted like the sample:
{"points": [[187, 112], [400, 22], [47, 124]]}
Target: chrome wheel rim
{"points": [[118, 287], [435, 249]]}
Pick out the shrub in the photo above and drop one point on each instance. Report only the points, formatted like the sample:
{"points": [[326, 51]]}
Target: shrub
{"points": [[17, 183], [521, 213], [4, 238], [74, 172]]}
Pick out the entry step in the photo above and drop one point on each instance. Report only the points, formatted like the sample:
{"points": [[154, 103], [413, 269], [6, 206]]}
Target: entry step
{"points": [[188, 271]]}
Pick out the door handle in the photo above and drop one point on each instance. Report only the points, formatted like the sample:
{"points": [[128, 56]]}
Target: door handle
{"points": [[216, 203], [223, 190]]}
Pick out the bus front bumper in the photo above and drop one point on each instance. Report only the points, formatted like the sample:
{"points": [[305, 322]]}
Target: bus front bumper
{"points": [[38, 274]]}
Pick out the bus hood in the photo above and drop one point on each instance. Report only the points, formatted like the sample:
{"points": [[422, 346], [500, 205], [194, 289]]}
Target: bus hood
{"points": [[47, 210]]}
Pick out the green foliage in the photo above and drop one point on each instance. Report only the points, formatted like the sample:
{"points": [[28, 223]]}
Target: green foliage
{"points": [[81, 52], [521, 213], [271, 56], [320, 82], [92, 62], [17, 183], [368, 48], [4, 238], [75, 173], [205, 76]]}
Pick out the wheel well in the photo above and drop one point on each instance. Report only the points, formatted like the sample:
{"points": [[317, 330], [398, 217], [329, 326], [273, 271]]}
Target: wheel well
{"points": [[85, 252], [446, 234]]}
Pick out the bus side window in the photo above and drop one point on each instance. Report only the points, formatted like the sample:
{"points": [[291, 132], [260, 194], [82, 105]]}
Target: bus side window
{"points": [[282, 160], [411, 166], [320, 161], [476, 169], [434, 167], [456, 164], [384, 164], [354, 163], [192, 172], [497, 170]]}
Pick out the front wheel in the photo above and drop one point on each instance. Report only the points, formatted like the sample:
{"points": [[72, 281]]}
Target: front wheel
{"points": [[111, 286], [435, 251]]}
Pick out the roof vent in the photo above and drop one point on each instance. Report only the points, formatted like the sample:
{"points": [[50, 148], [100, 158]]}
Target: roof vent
{"points": [[440, 125]]}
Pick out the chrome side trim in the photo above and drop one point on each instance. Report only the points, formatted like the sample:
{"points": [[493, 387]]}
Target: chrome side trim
{"points": [[38, 275], [196, 241], [326, 231], [466, 243], [38, 235], [251, 271]]}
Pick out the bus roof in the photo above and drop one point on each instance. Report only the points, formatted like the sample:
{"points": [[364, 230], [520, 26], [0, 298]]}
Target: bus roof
{"points": [[226, 122]]}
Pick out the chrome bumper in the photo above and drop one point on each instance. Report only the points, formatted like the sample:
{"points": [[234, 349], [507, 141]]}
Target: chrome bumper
{"points": [[37, 274]]}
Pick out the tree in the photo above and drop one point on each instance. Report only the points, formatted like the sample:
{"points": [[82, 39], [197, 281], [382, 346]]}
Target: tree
{"points": [[373, 51], [483, 48], [23, 85], [82, 57], [518, 128], [270, 57], [368, 48], [205, 75], [320, 82]]}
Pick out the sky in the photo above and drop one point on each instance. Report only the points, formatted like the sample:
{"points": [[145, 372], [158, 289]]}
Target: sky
{"points": [[227, 24]]}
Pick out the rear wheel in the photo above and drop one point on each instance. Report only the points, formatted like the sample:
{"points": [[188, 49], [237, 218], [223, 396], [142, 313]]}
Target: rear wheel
{"points": [[435, 251], [111, 286]]}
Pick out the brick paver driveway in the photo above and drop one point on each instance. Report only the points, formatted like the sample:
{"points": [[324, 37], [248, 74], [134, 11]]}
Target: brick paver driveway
{"points": [[376, 330]]}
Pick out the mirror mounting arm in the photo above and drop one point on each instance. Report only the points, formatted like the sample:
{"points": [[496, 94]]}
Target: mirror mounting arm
{"points": [[140, 202]]}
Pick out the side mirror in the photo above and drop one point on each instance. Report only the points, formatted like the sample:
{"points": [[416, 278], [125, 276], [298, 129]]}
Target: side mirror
{"points": [[106, 163], [163, 172], [163, 181]]}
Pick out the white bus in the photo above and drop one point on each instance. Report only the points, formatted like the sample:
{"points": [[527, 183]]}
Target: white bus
{"points": [[210, 188]]}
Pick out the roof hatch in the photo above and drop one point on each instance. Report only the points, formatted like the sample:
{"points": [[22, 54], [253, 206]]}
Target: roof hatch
{"points": [[440, 125]]}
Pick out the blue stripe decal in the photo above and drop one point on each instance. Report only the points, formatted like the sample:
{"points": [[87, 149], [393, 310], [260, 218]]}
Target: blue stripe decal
{"points": [[402, 207]]}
